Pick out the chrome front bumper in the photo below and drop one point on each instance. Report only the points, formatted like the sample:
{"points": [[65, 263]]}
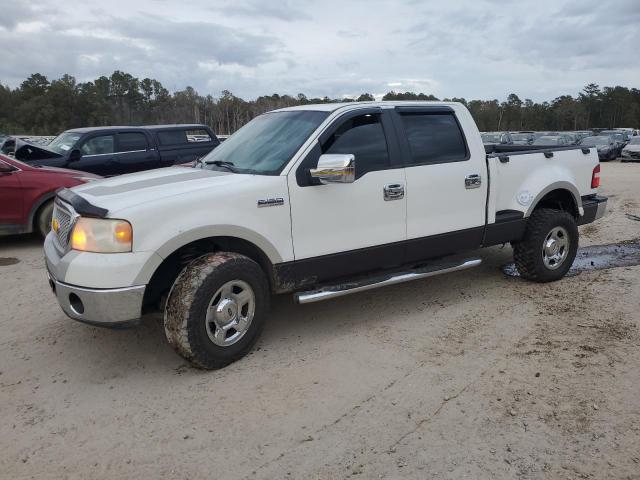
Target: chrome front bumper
{"points": [[108, 307]]}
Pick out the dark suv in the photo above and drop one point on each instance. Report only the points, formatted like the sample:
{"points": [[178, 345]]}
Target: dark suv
{"points": [[111, 151]]}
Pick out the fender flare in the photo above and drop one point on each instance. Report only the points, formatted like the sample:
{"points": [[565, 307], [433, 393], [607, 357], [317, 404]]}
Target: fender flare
{"points": [[557, 186], [201, 233]]}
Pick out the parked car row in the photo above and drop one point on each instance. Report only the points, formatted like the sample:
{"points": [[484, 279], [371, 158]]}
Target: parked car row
{"points": [[32, 170], [610, 143]]}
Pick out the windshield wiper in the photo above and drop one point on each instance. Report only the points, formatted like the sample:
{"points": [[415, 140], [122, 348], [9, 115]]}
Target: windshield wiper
{"points": [[222, 163]]}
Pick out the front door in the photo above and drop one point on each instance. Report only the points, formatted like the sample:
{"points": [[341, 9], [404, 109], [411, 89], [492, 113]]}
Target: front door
{"points": [[342, 229], [98, 154]]}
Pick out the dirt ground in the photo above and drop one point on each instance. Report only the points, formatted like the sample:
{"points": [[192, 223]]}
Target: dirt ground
{"points": [[469, 375]]}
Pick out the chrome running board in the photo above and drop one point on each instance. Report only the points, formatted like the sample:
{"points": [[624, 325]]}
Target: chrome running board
{"points": [[340, 290]]}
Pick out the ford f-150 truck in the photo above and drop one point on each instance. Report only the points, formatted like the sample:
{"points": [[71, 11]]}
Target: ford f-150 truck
{"points": [[319, 201]]}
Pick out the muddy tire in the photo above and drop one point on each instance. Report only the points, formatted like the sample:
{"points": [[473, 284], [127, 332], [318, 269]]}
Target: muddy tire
{"points": [[549, 246], [216, 309], [43, 218]]}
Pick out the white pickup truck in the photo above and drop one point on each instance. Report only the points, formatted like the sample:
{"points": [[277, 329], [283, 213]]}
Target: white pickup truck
{"points": [[319, 201]]}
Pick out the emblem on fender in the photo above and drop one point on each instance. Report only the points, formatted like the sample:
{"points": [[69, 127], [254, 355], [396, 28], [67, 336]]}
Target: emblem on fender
{"points": [[271, 202]]}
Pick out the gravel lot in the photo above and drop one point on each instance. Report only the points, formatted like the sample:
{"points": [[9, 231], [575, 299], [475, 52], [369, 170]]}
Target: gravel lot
{"points": [[470, 375]]}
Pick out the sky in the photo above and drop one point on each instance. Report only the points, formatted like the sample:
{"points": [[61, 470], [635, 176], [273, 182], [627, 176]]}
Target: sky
{"points": [[476, 49]]}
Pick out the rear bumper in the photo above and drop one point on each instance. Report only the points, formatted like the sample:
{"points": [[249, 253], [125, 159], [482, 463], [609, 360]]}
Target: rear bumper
{"points": [[594, 208], [108, 307]]}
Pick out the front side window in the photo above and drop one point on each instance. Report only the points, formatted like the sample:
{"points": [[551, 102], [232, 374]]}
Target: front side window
{"points": [[362, 136], [266, 144], [100, 145], [132, 141], [434, 138]]}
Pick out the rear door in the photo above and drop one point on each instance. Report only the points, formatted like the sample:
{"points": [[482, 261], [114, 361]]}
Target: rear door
{"points": [[134, 153], [446, 184]]}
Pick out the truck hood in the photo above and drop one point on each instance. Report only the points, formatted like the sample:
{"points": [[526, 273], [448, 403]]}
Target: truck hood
{"points": [[29, 152], [134, 189]]}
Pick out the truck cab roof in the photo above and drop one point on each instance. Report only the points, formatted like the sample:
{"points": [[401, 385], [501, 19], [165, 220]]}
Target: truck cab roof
{"points": [[138, 127], [331, 107]]}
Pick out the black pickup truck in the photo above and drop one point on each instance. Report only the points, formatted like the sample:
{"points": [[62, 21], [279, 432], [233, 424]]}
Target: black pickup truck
{"points": [[109, 151]]}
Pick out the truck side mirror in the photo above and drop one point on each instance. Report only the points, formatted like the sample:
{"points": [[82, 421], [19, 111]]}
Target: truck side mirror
{"points": [[335, 168], [75, 155]]}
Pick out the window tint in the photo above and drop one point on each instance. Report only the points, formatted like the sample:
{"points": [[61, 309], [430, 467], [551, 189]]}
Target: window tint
{"points": [[98, 145], [363, 137], [131, 141], [434, 138], [172, 137], [198, 135]]}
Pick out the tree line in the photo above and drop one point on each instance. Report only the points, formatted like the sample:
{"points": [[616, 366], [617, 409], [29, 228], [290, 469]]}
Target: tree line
{"points": [[42, 107]]}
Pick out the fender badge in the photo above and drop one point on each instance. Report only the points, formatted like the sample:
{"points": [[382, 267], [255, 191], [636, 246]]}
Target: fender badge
{"points": [[271, 202], [524, 198]]}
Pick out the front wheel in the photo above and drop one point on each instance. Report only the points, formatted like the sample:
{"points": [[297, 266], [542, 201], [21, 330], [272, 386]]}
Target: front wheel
{"points": [[549, 246], [216, 309], [43, 218]]}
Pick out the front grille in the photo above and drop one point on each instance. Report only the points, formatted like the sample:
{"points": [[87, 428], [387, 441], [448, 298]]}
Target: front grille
{"points": [[65, 219]]}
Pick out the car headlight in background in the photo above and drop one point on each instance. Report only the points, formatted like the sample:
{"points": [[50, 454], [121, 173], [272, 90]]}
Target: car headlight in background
{"points": [[101, 235]]}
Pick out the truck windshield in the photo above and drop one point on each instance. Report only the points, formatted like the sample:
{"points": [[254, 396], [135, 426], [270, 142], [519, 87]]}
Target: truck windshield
{"points": [[265, 144], [63, 142]]}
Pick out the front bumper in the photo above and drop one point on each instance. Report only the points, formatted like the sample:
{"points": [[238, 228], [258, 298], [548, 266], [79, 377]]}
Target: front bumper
{"points": [[594, 208], [106, 307]]}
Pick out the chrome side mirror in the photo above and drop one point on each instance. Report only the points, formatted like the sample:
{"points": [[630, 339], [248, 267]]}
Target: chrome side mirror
{"points": [[335, 168]]}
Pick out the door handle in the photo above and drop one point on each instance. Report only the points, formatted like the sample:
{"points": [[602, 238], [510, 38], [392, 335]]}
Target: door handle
{"points": [[393, 191], [472, 181]]}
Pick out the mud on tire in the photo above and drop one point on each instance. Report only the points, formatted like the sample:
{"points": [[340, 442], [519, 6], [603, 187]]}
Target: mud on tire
{"points": [[185, 315], [528, 253]]}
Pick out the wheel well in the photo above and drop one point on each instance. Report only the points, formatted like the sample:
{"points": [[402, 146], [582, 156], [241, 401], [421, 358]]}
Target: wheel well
{"points": [[560, 200], [36, 209], [164, 276]]}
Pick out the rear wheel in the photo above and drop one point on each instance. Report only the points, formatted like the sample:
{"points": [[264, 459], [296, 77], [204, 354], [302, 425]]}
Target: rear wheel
{"points": [[43, 218], [549, 246], [216, 309]]}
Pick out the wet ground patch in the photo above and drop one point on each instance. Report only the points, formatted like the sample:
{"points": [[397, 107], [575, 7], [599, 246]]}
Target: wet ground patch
{"points": [[6, 261], [597, 257]]}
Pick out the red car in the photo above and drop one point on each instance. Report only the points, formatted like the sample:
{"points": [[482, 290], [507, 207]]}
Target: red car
{"points": [[26, 194]]}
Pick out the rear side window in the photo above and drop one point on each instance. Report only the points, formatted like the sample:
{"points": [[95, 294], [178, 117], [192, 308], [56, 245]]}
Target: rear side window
{"points": [[198, 135], [132, 141], [172, 137], [434, 138], [362, 136]]}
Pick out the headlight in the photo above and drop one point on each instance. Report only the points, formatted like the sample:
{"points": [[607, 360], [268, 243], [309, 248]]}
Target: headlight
{"points": [[101, 235]]}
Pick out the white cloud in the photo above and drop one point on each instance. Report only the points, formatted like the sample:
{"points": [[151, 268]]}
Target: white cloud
{"points": [[468, 48]]}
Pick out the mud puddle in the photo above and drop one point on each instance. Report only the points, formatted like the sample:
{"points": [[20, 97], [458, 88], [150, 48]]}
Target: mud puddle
{"points": [[596, 257], [5, 261]]}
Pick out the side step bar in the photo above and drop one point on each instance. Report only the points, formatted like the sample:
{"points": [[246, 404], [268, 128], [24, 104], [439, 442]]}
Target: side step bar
{"points": [[341, 290]]}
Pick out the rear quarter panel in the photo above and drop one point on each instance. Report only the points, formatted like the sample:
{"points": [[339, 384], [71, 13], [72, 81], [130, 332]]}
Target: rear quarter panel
{"points": [[521, 182]]}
